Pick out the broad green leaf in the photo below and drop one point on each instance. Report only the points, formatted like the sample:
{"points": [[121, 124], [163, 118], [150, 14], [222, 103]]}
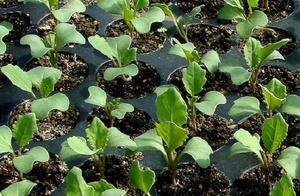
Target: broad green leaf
{"points": [[119, 45], [228, 13], [166, 10], [5, 139], [18, 77], [183, 50], [245, 106], [112, 6], [64, 13], [67, 33], [76, 185], [121, 110], [80, 146], [38, 73], [97, 96], [251, 50], [171, 107], [24, 128], [97, 134], [256, 19], [163, 88], [3, 32], [138, 4], [238, 73], [291, 106], [114, 192], [211, 61], [267, 50], [200, 150], [273, 132], [274, 94], [289, 160], [253, 3], [237, 148], [112, 72], [24, 163], [193, 78], [141, 179], [37, 45], [173, 135], [128, 56], [7, 25], [283, 187], [18, 188], [67, 153], [42, 107], [100, 44], [118, 139], [248, 140], [234, 3], [143, 23], [47, 86], [210, 101]]}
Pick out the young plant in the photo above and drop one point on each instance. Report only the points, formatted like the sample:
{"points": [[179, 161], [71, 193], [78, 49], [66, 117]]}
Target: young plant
{"points": [[182, 22], [118, 50], [63, 34], [22, 132], [113, 109], [5, 27], [100, 139], [274, 131], [234, 9], [129, 10], [168, 135], [76, 186], [255, 55], [44, 79], [283, 187]]}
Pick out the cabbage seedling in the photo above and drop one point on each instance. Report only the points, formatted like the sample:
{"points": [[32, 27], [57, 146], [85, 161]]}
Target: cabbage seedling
{"points": [[113, 109], [283, 187], [100, 139], [129, 10], [43, 78], [274, 131], [118, 50], [63, 34]]}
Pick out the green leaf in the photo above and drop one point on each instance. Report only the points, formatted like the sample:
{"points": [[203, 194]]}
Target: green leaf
{"points": [[18, 77], [173, 135], [38, 73], [112, 6], [181, 49], [274, 94], [273, 132], [141, 179], [100, 44], [119, 45], [255, 19], [67, 33], [112, 72], [268, 50], [3, 32], [234, 3], [101, 186], [42, 107], [245, 106], [24, 163], [37, 45], [210, 101], [143, 23], [118, 139], [200, 150], [237, 148], [7, 25], [138, 4], [237, 72], [228, 13], [80, 146], [67, 153], [97, 96], [283, 187], [171, 107], [76, 185], [65, 12], [5, 139], [121, 110], [24, 128], [194, 12], [193, 78], [128, 56], [115, 192], [211, 61], [289, 160], [97, 134], [291, 106], [251, 50], [248, 141], [19, 188]]}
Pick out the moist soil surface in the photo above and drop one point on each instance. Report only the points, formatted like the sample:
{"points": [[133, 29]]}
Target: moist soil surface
{"points": [[9, 3], [48, 175], [5, 59], [116, 172], [74, 70], [133, 124], [193, 180], [144, 83], [148, 42], [55, 125]]}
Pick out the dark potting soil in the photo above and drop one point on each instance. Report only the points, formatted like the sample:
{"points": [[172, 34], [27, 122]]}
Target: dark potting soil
{"points": [[133, 124], [193, 180], [9, 3], [85, 2], [144, 83], [21, 24], [74, 70], [4, 60], [149, 42], [48, 175], [160, 1], [252, 182], [58, 123], [208, 37], [116, 172]]}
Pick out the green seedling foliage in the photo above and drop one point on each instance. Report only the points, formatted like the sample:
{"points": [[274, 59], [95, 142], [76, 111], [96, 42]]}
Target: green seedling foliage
{"points": [[289, 160], [291, 106], [5, 140], [141, 179], [117, 48], [210, 101], [245, 106], [5, 27], [284, 187], [22, 188], [193, 78]]}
